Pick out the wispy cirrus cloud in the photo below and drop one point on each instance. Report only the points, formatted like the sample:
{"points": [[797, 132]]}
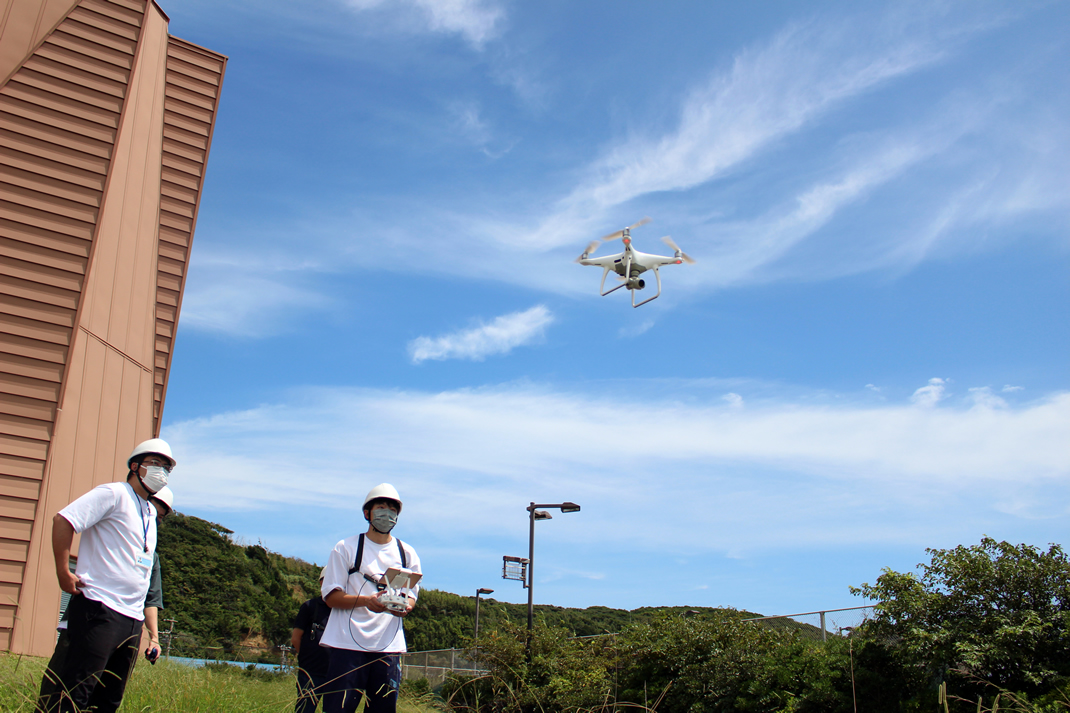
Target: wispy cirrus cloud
{"points": [[770, 91], [499, 336], [249, 295], [477, 21]]}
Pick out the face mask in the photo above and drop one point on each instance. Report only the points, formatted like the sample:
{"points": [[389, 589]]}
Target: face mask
{"points": [[155, 478], [384, 519]]}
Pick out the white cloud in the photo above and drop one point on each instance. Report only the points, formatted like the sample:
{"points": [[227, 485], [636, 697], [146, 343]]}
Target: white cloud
{"points": [[733, 399], [499, 336], [769, 92], [930, 395], [247, 295], [478, 21], [635, 330], [984, 398], [768, 95], [473, 128], [871, 473], [1011, 389]]}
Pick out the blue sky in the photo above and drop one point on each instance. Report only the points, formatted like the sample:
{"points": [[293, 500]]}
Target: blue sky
{"points": [[868, 358]]}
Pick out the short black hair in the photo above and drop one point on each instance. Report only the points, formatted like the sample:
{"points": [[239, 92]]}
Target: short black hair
{"points": [[368, 506]]}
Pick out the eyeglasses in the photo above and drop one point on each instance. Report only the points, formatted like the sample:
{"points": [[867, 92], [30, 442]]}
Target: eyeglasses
{"points": [[156, 462]]}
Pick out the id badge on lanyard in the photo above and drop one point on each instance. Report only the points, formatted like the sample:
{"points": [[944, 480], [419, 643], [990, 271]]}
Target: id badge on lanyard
{"points": [[144, 560]]}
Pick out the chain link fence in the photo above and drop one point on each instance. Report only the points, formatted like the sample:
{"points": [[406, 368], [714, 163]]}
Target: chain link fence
{"points": [[434, 665], [819, 625]]}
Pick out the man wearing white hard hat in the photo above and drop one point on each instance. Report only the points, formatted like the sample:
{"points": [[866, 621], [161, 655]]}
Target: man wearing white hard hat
{"points": [[164, 500], [364, 632], [117, 522]]}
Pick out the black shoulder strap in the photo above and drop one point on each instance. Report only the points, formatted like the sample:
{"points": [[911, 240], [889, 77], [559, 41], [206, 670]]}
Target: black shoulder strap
{"points": [[360, 555], [322, 612]]}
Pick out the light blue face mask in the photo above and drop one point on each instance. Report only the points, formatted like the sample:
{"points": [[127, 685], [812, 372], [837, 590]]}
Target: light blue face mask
{"points": [[384, 519]]}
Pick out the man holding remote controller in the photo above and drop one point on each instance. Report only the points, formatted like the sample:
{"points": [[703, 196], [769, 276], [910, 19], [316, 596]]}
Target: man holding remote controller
{"points": [[371, 584]]}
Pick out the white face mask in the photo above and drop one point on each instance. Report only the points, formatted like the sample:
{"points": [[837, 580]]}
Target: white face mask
{"points": [[155, 477]]}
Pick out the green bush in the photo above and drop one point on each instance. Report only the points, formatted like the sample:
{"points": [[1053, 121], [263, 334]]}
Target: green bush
{"points": [[562, 673], [987, 615]]}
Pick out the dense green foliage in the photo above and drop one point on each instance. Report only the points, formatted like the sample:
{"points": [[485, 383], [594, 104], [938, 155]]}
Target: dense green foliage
{"points": [[443, 620], [992, 614], [220, 593], [710, 661], [982, 623], [980, 620]]}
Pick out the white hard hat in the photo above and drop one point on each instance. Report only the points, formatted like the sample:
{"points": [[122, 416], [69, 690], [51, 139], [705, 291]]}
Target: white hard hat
{"points": [[165, 496], [383, 490], [153, 445]]}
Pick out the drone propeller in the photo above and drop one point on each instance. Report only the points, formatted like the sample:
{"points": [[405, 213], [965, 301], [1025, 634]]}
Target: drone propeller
{"points": [[620, 233], [679, 253], [589, 250]]}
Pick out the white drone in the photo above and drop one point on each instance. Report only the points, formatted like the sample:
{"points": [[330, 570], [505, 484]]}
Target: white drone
{"points": [[631, 263]]}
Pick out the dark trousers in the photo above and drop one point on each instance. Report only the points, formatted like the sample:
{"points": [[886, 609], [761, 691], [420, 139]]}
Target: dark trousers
{"points": [[50, 680], [378, 676], [309, 691], [101, 650]]}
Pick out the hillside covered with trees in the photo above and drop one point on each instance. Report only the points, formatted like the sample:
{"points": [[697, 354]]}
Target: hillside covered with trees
{"points": [[984, 627], [226, 596]]}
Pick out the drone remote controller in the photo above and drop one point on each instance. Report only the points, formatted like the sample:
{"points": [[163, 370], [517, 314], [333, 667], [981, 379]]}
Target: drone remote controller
{"points": [[397, 581]]}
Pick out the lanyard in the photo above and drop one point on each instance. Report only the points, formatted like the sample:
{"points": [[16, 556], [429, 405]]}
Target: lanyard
{"points": [[142, 513]]}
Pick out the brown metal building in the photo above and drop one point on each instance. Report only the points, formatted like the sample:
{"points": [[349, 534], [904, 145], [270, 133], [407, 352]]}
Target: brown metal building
{"points": [[105, 126]]}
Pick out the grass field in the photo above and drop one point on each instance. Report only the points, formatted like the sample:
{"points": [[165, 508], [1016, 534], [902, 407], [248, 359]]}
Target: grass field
{"points": [[174, 688]]}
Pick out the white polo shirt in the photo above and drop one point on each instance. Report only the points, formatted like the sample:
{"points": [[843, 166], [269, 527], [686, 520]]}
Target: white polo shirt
{"points": [[118, 530], [361, 629]]}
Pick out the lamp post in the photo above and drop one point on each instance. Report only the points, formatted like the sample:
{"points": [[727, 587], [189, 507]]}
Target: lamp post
{"points": [[481, 590], [535, 514]]}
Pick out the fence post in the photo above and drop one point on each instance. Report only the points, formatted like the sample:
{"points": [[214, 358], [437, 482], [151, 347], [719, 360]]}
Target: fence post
{"points": [[822, 627]]}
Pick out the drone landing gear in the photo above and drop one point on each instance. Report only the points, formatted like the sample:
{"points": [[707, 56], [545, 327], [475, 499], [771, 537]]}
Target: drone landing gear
{"points": [[657, 276], [631, 285], [602, 288]]}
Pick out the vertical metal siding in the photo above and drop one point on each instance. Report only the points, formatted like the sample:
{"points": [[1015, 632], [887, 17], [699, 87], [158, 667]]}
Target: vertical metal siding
{"points": [[59, 113], [105, 129]]}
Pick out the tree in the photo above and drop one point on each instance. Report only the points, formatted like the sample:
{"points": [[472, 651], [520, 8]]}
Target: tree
{"points": [[992, 613]]}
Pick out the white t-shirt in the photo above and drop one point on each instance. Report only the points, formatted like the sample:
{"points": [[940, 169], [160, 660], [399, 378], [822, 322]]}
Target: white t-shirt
{"points": [[117, 527], [361, 629]]}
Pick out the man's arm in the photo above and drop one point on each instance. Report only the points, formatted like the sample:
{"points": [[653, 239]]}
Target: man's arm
{"points": [[62, 540], [152, 625], [340, 600], [295, 640]]}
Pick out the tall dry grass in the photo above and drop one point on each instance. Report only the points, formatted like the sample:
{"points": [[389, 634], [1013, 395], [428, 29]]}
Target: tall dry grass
{"points": [[174, 688]]}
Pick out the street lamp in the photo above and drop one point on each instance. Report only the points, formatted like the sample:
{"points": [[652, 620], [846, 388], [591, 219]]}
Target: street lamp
{"points": [[533, 515], [481, 590]]}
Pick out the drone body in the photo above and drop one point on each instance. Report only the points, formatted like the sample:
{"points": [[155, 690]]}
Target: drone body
{"points": [[631, 263]]}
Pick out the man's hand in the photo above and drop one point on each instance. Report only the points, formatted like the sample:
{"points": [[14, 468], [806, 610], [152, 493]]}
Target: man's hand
{"points": [[68, 581], [153, 652], [410, 603], [373, 604]]}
